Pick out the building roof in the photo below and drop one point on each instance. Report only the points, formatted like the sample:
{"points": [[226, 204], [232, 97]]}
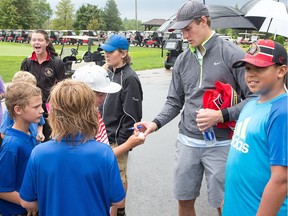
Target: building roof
{"points": [[153, 23]]}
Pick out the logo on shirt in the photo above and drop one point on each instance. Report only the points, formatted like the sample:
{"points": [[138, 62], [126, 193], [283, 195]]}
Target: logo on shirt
{"points": [[217, 63], [238, 141], [48, 72]]}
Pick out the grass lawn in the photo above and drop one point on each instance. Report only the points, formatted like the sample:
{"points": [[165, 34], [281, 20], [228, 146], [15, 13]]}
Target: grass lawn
{"points": [[12, 54]]}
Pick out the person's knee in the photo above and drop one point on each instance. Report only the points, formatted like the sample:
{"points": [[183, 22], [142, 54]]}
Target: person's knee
{"points": [[187, 203]]}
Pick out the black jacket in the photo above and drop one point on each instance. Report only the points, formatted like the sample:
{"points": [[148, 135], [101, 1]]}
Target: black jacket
{"points": [[47, 74], [122, 109]]}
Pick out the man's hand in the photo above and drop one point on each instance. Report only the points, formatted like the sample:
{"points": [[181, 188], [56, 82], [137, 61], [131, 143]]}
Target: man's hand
{"points": [[208, 118], [146, 127]]}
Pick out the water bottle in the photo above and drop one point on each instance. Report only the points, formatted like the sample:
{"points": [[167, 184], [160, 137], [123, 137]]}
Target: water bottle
{"points": [[209, 135]]}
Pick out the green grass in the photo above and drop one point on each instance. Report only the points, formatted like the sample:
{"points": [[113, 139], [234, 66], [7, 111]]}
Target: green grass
{"points": [[12, 54]]}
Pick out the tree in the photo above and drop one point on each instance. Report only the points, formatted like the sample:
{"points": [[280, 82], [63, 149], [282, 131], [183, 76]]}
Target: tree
{"points": [[130, 24], [8, 14], [64, 15], [16, 14], [112, 16], [89, 17], [42, 12], [24, 14]]}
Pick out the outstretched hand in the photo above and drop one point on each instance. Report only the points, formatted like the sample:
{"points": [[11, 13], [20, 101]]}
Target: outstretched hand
{"points": [[146, 127]]}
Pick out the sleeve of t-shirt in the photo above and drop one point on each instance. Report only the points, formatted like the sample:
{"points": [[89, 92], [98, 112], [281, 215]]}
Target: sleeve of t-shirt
{"points": [[28, 187], [7, 122], [42, 121], [7, 170], [277, 134], [117, 189]]}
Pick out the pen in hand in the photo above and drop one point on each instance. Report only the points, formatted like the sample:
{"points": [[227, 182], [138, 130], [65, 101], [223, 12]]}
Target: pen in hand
{"points": [[132, 128]]}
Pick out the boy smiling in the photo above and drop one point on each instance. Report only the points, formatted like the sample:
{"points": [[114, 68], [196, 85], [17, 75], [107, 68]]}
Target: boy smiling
{"points": [[256, 170]]}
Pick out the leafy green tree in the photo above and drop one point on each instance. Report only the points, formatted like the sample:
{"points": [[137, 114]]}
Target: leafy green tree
{"points": [[130, 24], [8, 14], [64, 15], [24, 14], [112, 16], [89, 17], [42, 12], [16, 14]]}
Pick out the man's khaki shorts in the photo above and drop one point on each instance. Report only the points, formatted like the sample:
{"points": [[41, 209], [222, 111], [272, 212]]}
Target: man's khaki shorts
{"points": [[122, 163]]}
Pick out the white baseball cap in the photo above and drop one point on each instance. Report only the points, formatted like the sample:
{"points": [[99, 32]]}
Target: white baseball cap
{"points": [[96, 78]]}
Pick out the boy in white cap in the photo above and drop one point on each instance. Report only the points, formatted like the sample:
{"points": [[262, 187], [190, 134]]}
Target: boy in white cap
{"points": [[98, 80], [207, 60], [256, 171]]}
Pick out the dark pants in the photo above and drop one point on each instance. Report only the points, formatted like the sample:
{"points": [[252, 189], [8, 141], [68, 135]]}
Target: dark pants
{"points": [[46, 127]]}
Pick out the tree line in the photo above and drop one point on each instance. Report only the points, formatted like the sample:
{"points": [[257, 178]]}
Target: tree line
{"points": [[37, 14]]}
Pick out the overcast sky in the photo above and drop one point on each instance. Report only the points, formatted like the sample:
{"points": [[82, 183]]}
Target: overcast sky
{"points": [[148, 9]]}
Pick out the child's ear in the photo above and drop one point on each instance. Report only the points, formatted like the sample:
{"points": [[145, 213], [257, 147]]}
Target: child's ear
{"points": [[17, 110], [282, 71]]}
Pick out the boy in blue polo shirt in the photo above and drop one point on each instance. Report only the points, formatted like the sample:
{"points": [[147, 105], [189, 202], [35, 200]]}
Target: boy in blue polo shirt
{"points": [[24, 103], [256, 169], [36, 129], [83, 176]]}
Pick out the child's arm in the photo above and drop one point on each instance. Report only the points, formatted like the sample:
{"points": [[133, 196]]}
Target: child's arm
{"points": [[30, 206], [274, 192], [11, 197], [118, 203], [40, 136], [133, 141]]}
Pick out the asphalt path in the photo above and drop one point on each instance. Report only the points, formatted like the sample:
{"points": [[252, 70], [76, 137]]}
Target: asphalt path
{"points": [[150, 166]]}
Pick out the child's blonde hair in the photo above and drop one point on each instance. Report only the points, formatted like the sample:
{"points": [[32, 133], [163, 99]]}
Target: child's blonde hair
{"points": [[24, 76], [73, 111], [18, 94]]}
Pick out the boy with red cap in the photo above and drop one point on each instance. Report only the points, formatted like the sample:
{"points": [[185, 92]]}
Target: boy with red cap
{"points": [[256, 170]]}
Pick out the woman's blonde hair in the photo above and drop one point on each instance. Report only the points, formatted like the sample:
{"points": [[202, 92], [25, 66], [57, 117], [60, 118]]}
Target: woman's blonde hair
{"points": [[24, 76], [73, 111], [18, 94]]}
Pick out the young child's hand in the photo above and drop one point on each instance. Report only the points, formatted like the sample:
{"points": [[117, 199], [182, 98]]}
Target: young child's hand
{"points": [[40, 137], [136, 139]]}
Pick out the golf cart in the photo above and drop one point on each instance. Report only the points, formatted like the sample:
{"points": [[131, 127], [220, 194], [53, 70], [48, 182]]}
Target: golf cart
{"points": [[67, 40], [53, 36], [69, 55], [138, 39], [21, 36], [2, 35], [174, 47], [10, 35], [153, 39]]}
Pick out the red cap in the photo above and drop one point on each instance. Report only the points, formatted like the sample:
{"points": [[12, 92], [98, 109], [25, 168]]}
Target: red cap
{"points": [[223, 96], [264, 53]]}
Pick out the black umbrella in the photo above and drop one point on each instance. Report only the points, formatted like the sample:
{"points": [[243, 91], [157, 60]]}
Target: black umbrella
{"points": [[222, 17]]}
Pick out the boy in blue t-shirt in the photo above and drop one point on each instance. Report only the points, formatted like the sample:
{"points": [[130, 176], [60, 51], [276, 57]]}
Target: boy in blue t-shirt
{"points": [[256, 169], [83, 177], [36, 129], [24, 103]]}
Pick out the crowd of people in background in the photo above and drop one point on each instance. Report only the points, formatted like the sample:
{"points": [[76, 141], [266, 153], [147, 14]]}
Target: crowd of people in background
{"points": [[65, 141]]}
